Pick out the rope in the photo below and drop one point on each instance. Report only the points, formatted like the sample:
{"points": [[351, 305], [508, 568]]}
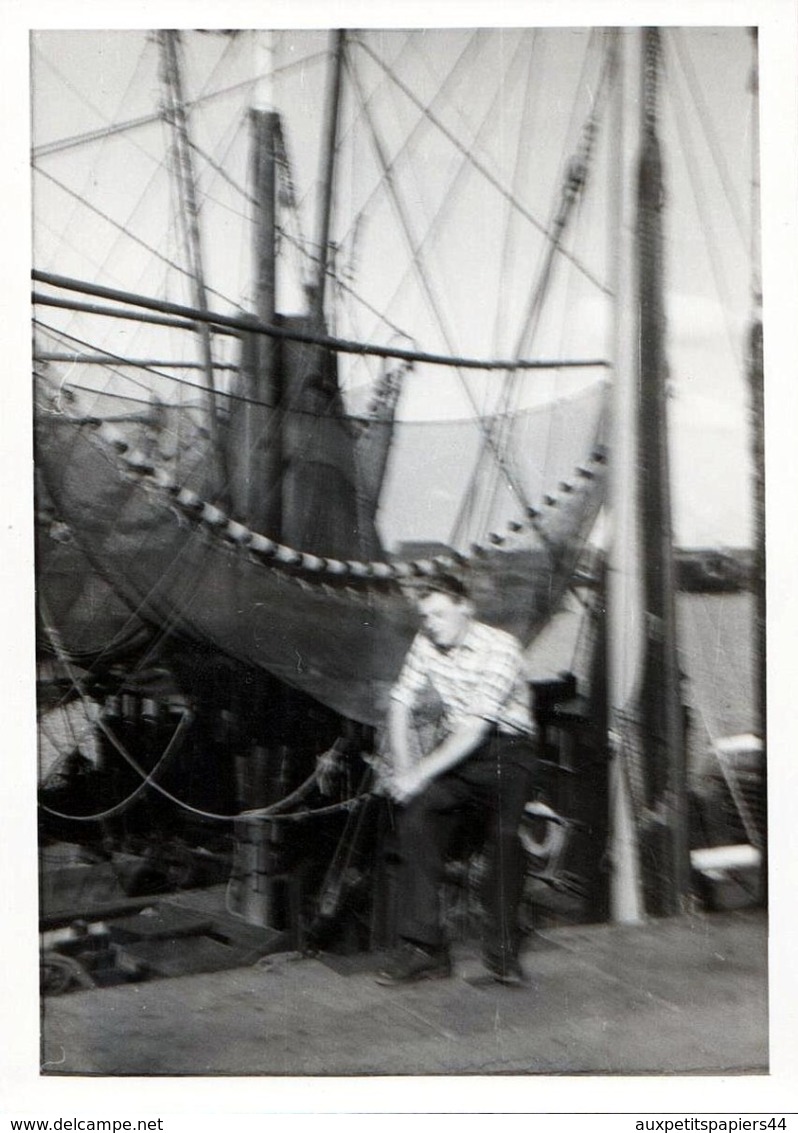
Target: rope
{"points": [[270, 813], [275, 808], [148, 781], [331, 890], [315, 812]]}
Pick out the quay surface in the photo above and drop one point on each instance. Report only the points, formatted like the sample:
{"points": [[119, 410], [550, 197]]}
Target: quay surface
{"points": [[687, 995]]}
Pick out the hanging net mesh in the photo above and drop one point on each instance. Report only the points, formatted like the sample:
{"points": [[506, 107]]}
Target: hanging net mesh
{"points": [[327, 609]]}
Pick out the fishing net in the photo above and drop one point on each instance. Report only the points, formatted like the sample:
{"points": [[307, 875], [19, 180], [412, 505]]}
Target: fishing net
{"points": [[317, 614]]}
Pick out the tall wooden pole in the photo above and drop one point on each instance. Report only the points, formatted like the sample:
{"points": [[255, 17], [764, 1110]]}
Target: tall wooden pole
{"points": [[263, 443], [626, 903], [329, 143], [176, 116], [666, 851]]}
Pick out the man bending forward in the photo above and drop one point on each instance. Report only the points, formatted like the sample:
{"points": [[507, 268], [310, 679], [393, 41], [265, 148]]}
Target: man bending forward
{"points": [[484, 759]]}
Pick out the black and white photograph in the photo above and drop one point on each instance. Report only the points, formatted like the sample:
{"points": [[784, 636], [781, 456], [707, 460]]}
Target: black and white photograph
{"points": [[377, 367]]}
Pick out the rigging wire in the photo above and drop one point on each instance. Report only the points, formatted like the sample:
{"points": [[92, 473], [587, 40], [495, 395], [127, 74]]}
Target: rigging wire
{"points": [[571, 193], [119, 359], [676, 36], [83, 98], [337, 805], [110, 255], [273, 424], [585, 152], [397, 157], [415, 248], [178, 380], [126, 231], [360, 216], [315, 257], [65, 243], [129, 398], [454, 72], [175, 564], [176, 123], [50, 148], [435, 223], [509, 243], [288, 198], [481, 167], [706, 214], [92, 172], [388, 168], [574, 179]]}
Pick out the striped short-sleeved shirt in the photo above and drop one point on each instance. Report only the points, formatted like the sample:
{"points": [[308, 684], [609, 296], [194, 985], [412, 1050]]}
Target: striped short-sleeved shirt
{"points": [[482, 678]]}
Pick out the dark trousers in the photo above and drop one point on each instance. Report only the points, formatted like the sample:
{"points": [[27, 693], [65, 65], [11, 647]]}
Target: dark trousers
{"points": [[494, 780]]}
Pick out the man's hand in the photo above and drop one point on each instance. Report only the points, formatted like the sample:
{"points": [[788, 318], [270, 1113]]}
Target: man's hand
{"points": [[405, 785], [407, 782]]}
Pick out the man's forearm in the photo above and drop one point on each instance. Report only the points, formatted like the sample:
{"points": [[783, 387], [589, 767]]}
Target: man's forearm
{"points": [[454, 749], [399, 736]]}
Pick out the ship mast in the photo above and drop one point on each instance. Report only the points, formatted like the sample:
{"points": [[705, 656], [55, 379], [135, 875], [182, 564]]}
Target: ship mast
{"points": [[328, 177], [259, 488], [175, 114], [621, 577], [648, 779], [260, 445], [662, 717]]}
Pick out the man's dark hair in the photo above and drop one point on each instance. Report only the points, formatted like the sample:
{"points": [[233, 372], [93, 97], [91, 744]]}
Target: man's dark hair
{"points": [[442, 583]]}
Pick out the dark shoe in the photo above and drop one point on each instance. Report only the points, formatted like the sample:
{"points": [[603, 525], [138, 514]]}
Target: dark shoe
{"points": [[411, 963], [506, 970]]}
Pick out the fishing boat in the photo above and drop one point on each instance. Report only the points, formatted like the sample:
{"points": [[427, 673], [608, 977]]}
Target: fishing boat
{"points": [[240, 481]]}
